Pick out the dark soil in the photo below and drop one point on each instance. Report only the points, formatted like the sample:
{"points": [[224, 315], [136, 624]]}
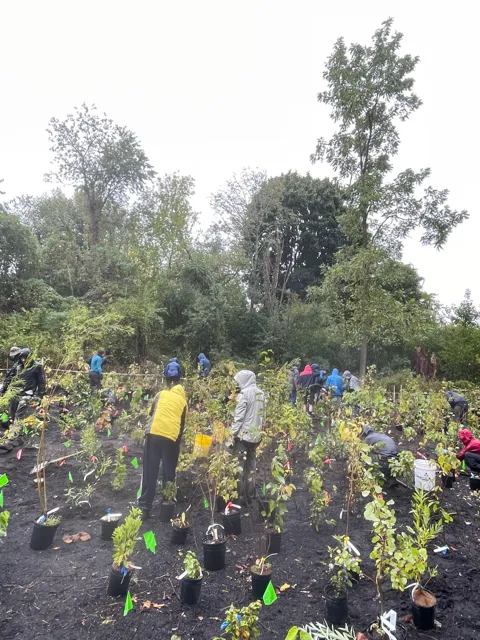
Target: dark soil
{"points": [[61, 593]]}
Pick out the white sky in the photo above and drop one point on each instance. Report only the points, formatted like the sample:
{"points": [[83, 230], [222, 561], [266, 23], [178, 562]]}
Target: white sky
{"points": [[210, 87]]}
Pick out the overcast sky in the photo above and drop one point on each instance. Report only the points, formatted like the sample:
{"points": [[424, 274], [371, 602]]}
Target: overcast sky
{"points": [[211, 87]]}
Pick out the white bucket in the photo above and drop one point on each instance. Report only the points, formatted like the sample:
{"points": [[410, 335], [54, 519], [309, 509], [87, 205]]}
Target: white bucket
{"points": [[425, 474]]}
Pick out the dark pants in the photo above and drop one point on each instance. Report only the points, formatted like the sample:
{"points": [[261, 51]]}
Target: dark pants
{"points": [[247, 455], [473, 461], [95, 380], [157, 449], [460, 411], [293, 396]]}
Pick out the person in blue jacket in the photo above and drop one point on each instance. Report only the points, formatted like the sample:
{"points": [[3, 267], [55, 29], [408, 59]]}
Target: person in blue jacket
{"points": [[334, 385], [204, 366], [173, 369], [96, 369]]}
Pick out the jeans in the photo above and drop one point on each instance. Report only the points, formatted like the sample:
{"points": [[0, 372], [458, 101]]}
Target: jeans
{"points": [[156, 449], [473, 461], [293, 396], [247, 455]]}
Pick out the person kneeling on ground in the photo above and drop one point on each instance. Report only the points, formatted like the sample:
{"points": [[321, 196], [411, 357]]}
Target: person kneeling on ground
{"points": [[386, 449], [471, 451], [247, 429], [459, 406], [96, 369], [162, 441]]}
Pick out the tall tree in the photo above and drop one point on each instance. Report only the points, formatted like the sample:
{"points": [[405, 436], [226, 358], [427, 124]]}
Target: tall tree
{"points": [[369, 91], [100, 158]]}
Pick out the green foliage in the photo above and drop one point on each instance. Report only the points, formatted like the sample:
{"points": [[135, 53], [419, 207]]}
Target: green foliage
{"points": [[319, 631], [192, 566], [401, 466], [125, 538], [279, 491], [169, 492], [52, 521], [319, 497], [343, 563], [4, 516], [242, 623], [223, 473], [119, 471], [76, 496]]}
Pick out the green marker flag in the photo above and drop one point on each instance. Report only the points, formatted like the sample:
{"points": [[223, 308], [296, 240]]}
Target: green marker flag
{"points": [[70, 476], [25, 430], [109, 433], [139, 492], [67, 443], [1, 498], [4, 417], [464, 465], [269, 596], [150, 542], [134, 463], [128, 604], [205, 503], [3, 480]]}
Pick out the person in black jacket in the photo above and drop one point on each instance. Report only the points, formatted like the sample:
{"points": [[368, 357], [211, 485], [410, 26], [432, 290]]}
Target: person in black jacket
{"points": [[29, 380]]}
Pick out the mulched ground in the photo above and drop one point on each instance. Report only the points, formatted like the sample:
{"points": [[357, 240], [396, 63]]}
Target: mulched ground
{"points": [[61, 592]]}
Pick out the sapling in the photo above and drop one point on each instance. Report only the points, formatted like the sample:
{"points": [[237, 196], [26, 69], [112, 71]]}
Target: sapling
{"points": [[447, 460], [402, 465], [169, 491], [119, 471], [4, 516], [319, 631], [242, 623], [261, 565], [279, 490], [192, 566], [344, 564], [125, 538]]}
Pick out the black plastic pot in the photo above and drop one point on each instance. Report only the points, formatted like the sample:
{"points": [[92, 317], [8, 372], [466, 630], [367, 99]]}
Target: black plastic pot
{"points": [[179, 535], [42, 536], [108, 527], [260, 583], [118, 583], [214, 555], [337, 606], [190, 590], [232, 524], [423, 617], [274, 542], [220, 504], [447, 481], [475, 484], [166, 511]]}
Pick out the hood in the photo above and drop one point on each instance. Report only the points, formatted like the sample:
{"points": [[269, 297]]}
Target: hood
{"points": [[449, 395], [201, 356], [465, 436], [173, 360], [245, 378], [335, 372], [307, 371], [315, 367], [347, 374], [178, 390], [367, 429]]}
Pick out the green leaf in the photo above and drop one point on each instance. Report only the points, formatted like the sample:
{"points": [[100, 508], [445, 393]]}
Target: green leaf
{"points": [[128, 604], [292, 634], [3, 480]]}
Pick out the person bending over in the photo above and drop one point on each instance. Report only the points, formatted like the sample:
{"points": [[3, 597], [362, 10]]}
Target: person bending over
{"points": [[471, 451]]}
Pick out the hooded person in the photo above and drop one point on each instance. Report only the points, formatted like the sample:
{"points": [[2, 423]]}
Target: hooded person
{"points": [[334, 385], [293, 374], [247, 429], [317, 384], [204, 366], [459, 406], [305, 380], [164, 431], [385, 447], [173, 369], [351, 382], [471, 450]]}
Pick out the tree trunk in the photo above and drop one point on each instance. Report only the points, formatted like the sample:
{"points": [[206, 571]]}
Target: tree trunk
{"points": [[363, 357]]}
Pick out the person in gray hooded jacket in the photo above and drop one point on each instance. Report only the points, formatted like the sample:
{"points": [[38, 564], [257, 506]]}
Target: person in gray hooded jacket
{"points": [[386, 449], [247, 429]]}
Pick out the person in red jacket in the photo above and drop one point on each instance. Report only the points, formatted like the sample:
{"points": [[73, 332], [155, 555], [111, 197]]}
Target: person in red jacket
{"points": [[471, 450]]}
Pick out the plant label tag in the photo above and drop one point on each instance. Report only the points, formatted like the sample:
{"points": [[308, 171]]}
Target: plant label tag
{"points": [[388, 622]]}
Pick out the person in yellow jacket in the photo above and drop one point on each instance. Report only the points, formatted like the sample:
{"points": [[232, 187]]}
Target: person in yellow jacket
{"points": [[162, 440]]}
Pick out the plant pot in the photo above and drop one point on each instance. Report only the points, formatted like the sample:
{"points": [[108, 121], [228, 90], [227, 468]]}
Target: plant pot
{"points": [[220, 504], [260, 583], [190, 590], [166, 511], [475, 484], [423, 609], [214, 555], [232, 524], [337, 606], [179, 535], [42, 536], [118, 583], [108, 527], [274, 542], [447, 481]]}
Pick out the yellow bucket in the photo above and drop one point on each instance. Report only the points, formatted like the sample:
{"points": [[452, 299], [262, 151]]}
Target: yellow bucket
{"points": [[202, 445]]}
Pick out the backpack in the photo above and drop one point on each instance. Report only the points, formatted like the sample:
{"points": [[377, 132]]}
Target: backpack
{"points": [[172, 370]]}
